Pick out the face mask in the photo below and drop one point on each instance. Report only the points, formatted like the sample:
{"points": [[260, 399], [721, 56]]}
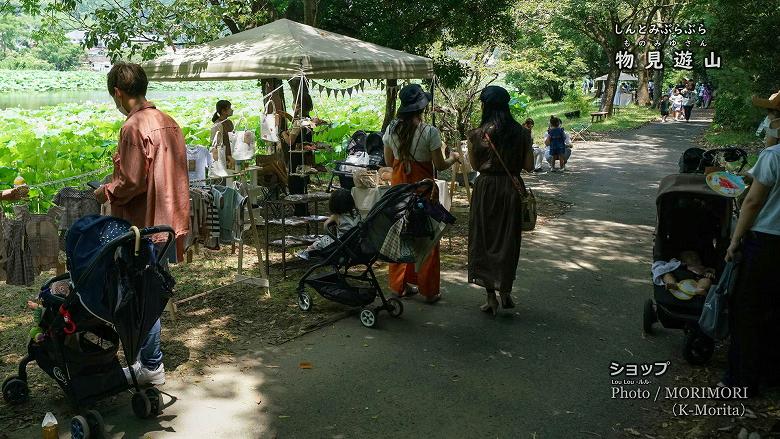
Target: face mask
{"points": [[763, 125], [772, 132], [120, 107]]}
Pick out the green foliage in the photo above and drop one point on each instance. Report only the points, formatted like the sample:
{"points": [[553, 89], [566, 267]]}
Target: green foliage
{"points": [[733, 107], [26, 61], [519, 105], [59, 53], [576, 101], [70, 139], [84, 80]]}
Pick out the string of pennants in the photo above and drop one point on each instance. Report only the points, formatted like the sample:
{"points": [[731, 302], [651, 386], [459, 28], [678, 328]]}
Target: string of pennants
{"points": [[359, 87]]}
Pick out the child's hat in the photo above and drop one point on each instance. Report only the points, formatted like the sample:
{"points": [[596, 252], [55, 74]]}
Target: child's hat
{"points": [[773, 103]]}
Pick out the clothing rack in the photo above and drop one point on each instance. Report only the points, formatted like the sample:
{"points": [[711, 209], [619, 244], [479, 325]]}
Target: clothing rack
{"points": [[262, 280]]}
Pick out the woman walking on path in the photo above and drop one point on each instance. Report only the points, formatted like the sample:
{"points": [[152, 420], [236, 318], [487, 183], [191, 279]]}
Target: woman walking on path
{"points": [[414, 148], [689, 100], [495, 221], [755, 303]]}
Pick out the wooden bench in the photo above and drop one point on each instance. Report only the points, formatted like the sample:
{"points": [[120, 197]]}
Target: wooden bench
{"points": [[597, 116]]}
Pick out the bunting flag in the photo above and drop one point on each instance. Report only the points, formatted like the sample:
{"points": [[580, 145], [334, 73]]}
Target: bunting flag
{"points": [[382, 86], [328, 91], [349, 91]]}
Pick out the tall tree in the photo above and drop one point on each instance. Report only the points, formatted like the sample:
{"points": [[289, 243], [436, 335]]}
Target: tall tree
{"points": [[602, 21]]}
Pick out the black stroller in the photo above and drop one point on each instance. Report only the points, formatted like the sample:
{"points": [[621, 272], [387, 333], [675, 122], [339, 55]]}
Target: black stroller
{"points": [[361, 246], [114, 292], [691, 216], [360, 144]]}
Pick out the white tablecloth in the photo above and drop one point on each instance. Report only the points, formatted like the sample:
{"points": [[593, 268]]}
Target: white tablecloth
{"points": [[365, 198]]}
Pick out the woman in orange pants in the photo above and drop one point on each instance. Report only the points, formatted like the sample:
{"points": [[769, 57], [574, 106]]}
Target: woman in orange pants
{"points": [[414, 148]]}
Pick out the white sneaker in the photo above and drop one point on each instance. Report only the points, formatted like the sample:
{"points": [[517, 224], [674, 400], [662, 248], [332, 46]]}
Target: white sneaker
{"points": [[145, 376]]}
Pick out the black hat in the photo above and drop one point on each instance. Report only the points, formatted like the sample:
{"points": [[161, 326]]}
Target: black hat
{"points": [[413, 98], [494, 95]]}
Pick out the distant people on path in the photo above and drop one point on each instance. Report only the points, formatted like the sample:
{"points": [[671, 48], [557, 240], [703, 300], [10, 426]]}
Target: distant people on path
{"points": [[677, 103], [495, 221], [414, 149], [664, 105], [689, 100], [558, 141], [706, 96], [149, 186], [754, 308]]}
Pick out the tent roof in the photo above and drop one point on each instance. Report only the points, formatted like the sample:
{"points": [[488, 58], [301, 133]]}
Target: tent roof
{"points": [[283, 49], [623, 77]]}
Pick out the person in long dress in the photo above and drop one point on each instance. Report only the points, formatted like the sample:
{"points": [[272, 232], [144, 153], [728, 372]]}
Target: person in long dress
{"points": [[414, 148], [495, 221]]}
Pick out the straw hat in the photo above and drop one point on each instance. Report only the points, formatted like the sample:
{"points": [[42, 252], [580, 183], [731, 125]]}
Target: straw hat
{"points": [[773, 103]]}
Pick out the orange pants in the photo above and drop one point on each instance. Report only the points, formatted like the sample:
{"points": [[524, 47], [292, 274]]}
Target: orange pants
{"points": [[428, 279]]}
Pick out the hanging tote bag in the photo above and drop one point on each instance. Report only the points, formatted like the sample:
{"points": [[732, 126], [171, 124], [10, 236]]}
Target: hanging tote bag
{"points": [[714, 319], [528, 199], [218, 167], [269, 123], [242, 145]]}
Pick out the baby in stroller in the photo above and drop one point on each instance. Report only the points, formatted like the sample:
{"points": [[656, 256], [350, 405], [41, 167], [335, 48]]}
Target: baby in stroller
{"points": [[343, 216], [689, 266]]}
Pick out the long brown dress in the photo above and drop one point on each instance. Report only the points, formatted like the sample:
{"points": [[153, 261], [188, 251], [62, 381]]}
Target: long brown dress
{"points": [[495, 222]]}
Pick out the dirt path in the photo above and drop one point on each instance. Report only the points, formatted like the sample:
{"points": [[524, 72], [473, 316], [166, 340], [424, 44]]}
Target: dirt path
{"points": [[540, 371]]}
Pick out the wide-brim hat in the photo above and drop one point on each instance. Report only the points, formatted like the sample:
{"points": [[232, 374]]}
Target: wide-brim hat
{"points": [[773, 103], [413, 98]]}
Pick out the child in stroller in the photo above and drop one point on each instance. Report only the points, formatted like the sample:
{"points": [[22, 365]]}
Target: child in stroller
{"points": [[365, 244], [343, 216], [688, 267], [113, 294]]}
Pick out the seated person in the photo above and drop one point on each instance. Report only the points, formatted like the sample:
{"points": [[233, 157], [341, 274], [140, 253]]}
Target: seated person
{"points": [[344, 216], [689, 266], [556, 126]]}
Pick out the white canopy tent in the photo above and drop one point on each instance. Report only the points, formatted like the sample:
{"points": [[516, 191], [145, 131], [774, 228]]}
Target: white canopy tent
{"points": [[284, 49]]}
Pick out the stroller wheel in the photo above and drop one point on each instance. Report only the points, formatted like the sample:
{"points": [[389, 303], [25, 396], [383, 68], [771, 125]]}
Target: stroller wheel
{"points": [[79, 428], [96, 424], [304, 301], [395, 307], [698, 348], [15, 390], [649, 317], [368, 317], [155, 398], [142, 406]]}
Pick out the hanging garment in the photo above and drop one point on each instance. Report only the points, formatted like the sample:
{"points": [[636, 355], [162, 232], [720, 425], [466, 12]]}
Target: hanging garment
{"points": [[227, 201], [3, 253], [43, 238], [19, 266], [198, 160], [75, 204]]}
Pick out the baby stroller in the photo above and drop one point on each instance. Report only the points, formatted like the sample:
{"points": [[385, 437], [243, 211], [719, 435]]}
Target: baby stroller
{"points": [[365, 150], [114, 292], [690, 216], [361, 246]]}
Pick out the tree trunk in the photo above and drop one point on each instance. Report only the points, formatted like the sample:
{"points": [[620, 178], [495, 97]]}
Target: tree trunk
{"points": [[310, 12], [611, 88], [391, 94], [658, 89], [642, 94]]}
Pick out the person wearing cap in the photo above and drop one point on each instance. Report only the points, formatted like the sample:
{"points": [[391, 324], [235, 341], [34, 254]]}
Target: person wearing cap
{"points": [[414, 149], [495, 221], [754, 306]]}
